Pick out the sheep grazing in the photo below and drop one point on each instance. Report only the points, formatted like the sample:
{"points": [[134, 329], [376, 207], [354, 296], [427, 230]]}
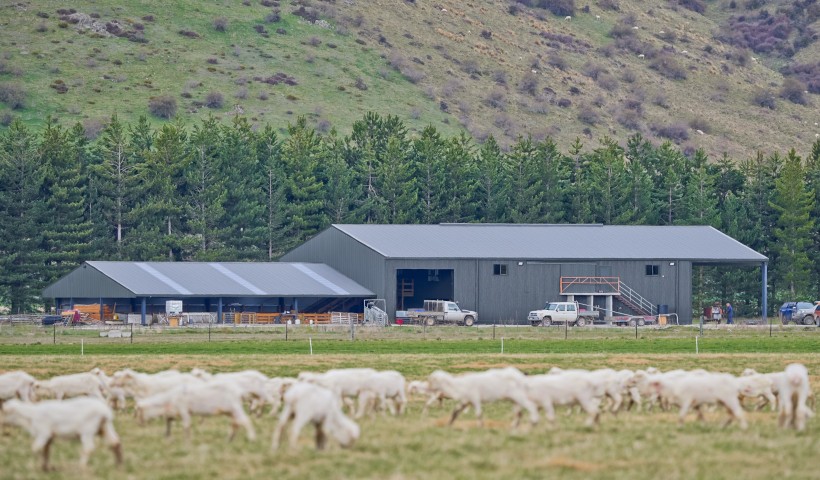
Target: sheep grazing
{"points": [[17, 384], [346, 383], [793, 393], [385, 387], [696, 389], [568, 389], [250, 382], [66, 386], [115, 395], [489, 386], [142, 385], [82, 417], [218, 397], [275, 389], [308, 403], [756, 386], [568, 18]]}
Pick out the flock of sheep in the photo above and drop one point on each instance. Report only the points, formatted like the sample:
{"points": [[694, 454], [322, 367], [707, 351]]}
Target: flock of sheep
{"points": [[83, 403]]}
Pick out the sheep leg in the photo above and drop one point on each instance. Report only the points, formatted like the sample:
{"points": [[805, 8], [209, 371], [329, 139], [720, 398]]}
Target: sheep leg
{"points": [[299, 423], [168, 421], [185, 415], [284, 417], [684, 409], [479, 414], [240, 419], [699, 411], [785, 417], [430, 401], [391, 406], [460, 408], [617, 400], [635, 399], [42, 444], [592, 408], [549, 411], [735, 413], [321, 437], [111, 439], [87, 442]]}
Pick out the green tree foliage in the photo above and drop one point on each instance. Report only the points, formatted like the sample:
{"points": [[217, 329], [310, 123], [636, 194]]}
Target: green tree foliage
{"points": [[224, 190], [21, 211], [793, 205]]}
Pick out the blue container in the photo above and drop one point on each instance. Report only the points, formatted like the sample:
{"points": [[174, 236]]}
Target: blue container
{"points": [[663, 309], [786, 311]]}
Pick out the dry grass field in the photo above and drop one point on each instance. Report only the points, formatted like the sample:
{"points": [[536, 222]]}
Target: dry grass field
{"points": [[632, 445]]}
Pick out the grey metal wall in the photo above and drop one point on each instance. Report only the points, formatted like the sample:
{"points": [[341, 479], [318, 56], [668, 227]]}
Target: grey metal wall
{"points": [[86, 282], [346, 255], [672, 286]]}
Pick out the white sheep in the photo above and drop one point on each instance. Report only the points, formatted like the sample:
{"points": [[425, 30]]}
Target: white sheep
{"points": [[217, 397], [792, 396], [383, 388], [66, 386], [477, 387], [756, 386], [82, 417], [17, 384], [250, 382], [275, 388], [116, 395], [694, 390], [142, 385], [308, 403], [346, 383], [568, 18], [567, 389]]}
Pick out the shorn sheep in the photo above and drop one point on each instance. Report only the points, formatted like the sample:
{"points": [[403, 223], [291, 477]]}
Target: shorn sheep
{"points": [[792, 396], [82, 417], [308, 403], [489, 386]]}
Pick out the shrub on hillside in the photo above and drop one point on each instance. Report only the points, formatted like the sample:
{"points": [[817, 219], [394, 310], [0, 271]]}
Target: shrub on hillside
{"points": [[557, 61], [588, 115], [13, 95], [666, 65], [629, 119], [700, 123], [592, 70], [763, 97], [497, 99], [697, 6], [677, 132], [92, 127], [556, 7], [762, 34], [609, 5], [529, 83], [500, 77], [6, 119], [163, 106], [793, 91], [808, 73], [220, 24], [607, 82]]}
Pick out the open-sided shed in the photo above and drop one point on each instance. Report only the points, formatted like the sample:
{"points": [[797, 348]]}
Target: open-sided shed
{"points": [[208, 286]]}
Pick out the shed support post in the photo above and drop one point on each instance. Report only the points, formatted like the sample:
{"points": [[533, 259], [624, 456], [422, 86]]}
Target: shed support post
{"points": [[102, 319], [143, 308], [570, 298], [57, 309], [764, 270], [591, 306], [609, 305], [295, 305], [219, 311]]}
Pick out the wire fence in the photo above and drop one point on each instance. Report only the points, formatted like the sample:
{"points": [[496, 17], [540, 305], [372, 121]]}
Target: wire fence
{"points": [[29, 333]]}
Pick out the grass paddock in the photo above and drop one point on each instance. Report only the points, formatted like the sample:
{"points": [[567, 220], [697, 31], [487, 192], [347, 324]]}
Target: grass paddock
{"points": [[631, 445]]}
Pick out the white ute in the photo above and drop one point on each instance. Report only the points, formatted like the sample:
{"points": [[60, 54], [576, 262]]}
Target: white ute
{"points": [[561, 312], [437, 312]]}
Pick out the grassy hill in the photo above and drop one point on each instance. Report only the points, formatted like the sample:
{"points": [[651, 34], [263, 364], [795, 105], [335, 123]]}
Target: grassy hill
{"points": [[489, 67]]}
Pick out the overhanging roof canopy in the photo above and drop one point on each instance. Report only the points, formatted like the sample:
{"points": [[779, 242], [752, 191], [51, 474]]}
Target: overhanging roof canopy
{"points": [[700, 244], [204, 279]]}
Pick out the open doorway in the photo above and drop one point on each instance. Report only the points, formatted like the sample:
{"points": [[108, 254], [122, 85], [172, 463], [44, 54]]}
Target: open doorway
{"points": [[413, 286]]}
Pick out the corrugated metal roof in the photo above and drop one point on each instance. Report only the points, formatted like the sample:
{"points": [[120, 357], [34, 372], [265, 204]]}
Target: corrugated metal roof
{"points": [[552, 242], [213, 279]]}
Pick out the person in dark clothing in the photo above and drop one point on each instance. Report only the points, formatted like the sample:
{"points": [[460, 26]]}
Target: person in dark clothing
{"points": [[730, 313]]}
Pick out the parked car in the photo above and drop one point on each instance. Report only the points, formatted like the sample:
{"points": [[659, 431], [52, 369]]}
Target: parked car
{"points": [[52, 319], [803, 313], [786, 311]]}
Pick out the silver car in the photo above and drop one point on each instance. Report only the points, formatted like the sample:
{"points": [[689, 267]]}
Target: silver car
{"points": [[804, 313]]}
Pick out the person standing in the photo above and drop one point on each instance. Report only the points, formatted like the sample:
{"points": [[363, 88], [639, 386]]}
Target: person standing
{"points": [[730, 314]]}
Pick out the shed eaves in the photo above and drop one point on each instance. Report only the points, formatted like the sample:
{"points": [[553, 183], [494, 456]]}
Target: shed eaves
{"points": [[702, 244], [230, 279]]}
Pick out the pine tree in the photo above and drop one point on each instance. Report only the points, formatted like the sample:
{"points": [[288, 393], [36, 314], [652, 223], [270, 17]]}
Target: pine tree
{"points": [[66, 230], [460, 180], [492, 189], [606, 182], [428, 152], [205, 192], [304, 191], [700, 203], [22, 210], [398, 187], [526, 191], [793, 204], [269, 154]]}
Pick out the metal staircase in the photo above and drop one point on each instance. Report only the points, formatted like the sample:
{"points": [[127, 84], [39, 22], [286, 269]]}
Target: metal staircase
{"points": [[608, 286], [635, 301]]}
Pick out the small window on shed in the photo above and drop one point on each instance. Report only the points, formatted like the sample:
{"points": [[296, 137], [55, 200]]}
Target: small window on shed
{"points": [[500, 269], [652, 270]]}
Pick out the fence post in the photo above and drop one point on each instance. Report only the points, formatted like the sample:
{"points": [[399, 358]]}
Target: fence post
{"points": [[209, 330], [286, 330], [54, 333], [493, 330], [636, 330], [566, 329], [132, 333]]}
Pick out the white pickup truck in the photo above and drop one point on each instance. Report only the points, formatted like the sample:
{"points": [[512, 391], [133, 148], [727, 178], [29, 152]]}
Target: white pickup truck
{"points": [[560, 313], [443, 311]]}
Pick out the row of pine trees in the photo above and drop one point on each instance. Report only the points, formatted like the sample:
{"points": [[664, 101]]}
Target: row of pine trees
{"points": [[216, 191]]}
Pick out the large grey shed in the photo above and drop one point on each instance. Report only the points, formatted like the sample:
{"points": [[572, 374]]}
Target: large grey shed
{"points": [[208, 286], [505, 270]]}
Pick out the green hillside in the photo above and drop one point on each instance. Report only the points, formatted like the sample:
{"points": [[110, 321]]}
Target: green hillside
{"points": [[488, 67]]}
